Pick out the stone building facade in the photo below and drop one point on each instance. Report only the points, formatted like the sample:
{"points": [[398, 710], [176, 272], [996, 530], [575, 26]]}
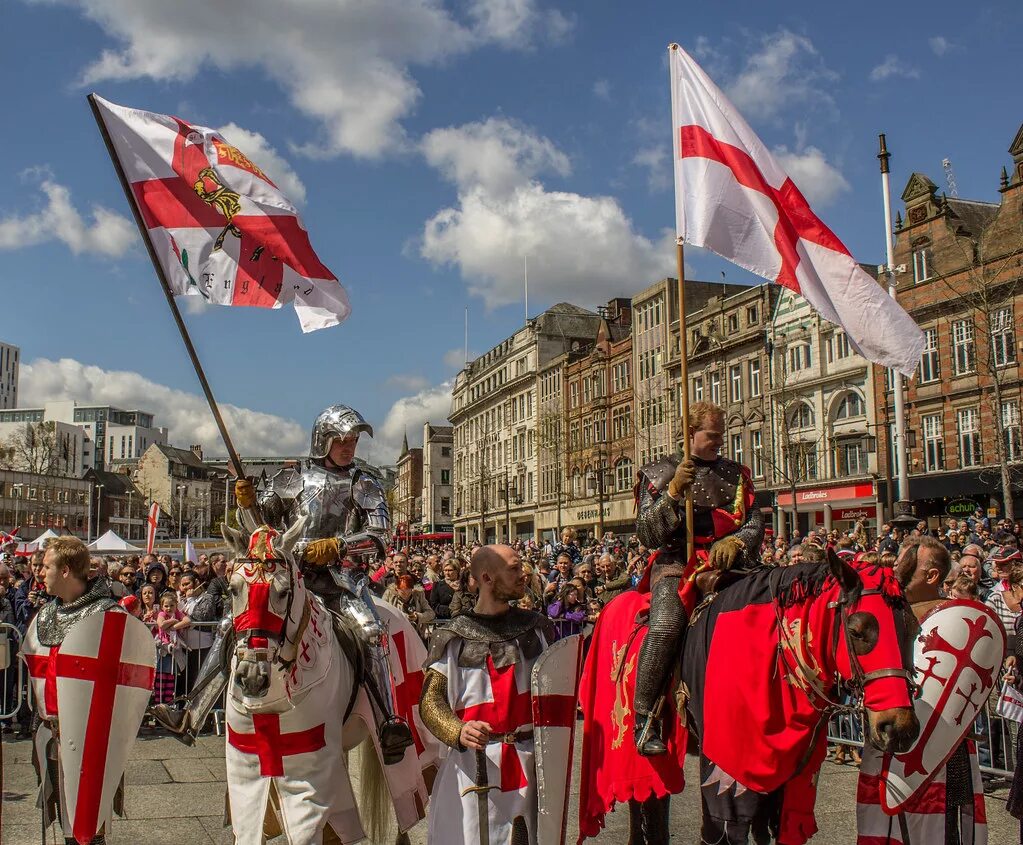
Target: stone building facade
{"points": [[438, 463]]}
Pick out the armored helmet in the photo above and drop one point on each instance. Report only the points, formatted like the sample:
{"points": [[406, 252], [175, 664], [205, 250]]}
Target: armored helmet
{"points": [[335, 421]]}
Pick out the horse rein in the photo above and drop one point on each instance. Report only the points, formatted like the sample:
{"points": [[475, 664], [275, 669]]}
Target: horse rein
{"points": [[281, 636]]}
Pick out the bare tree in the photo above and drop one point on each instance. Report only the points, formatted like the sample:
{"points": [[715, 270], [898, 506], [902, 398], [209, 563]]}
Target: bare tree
{"points": [[982, 279], [552, 440], [39, 449]]}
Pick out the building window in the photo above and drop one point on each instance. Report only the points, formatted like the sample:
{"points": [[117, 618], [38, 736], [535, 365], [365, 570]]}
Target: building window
{"points": [[754, 377], [929, 368], [573, 395], [733, 322], [921, 264], [445, 476], [850, 458], [623, 475], [963, 360], [1011, 429], [799, 357], [756, 448], [445, 506], [850, 406], [445, 451], [715, 388], [698, 389], [752, 315], [802, 416], [969, 437], [1003, 338], [803, 462], [735, 383], [838, 347], [737, 448]]}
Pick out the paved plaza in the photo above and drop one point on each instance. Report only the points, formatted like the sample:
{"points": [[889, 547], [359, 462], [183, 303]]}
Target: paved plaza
{"points": [[175, 796]]}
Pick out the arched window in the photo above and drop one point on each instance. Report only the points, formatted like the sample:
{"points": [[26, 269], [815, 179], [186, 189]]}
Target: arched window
{"points": [[802, 416], [850, 406], [624, 475]]}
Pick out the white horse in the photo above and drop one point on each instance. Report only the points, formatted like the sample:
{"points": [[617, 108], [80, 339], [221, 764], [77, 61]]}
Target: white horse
{"points": [[294, 709]]}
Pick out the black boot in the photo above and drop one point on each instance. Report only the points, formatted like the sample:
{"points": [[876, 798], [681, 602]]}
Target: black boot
{"points": [[395, 737], [648, 736], [174, 720]]}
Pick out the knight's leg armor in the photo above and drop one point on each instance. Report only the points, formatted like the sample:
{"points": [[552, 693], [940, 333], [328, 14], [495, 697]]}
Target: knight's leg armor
{"points": [[657, 657], [395, 734], [209, 685]]}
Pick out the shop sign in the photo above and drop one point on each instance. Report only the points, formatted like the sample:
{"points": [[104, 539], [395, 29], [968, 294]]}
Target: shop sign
{"points": [[961, 507], [591, 513], [827, 494], [853, 514]]}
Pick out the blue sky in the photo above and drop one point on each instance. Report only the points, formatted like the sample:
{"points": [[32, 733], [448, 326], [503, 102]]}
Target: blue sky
{"points": [[430, 146]]}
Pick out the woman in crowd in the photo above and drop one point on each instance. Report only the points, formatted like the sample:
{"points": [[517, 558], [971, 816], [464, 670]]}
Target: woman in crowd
{"points": [[408, 596], [464, 598], [444, 589], [567, 612], [157, 576], [149, 606]]}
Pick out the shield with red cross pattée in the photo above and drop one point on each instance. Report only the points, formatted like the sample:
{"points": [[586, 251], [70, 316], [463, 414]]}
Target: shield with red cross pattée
{"points": [[104, 673], [957, 654], [554, 688]]}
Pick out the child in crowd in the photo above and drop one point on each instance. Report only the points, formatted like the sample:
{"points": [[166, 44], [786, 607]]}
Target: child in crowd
{"points": [[170, 656]]}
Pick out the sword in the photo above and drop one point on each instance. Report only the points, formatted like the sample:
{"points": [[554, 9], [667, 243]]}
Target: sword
{"points": [[481, 788]]}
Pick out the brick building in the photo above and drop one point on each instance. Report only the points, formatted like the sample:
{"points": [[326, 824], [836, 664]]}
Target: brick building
{"points": [[408, 490], [958, 272]]}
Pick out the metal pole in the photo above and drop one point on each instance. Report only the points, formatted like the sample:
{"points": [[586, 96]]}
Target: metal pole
{"points": [[227, 496], [684, 388], [99, 506], [165, 284], [88, 515], [129, 514], [897, 381], [181, 509]]}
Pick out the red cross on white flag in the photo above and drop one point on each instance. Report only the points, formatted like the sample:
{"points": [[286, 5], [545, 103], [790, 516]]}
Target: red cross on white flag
{"points": [[732, 197], [152, 521], [220, 227]]}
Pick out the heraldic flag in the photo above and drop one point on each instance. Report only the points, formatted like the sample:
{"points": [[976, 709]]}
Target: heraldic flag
{"points": [[732, 197], [220, 227]]}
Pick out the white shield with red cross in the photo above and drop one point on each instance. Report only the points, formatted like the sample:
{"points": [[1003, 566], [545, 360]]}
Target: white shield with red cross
{"points": [[957, 655], [104, 673], [554, 685]]}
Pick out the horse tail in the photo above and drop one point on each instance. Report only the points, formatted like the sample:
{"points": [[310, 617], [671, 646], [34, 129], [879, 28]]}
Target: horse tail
{"points": [[374, 797]]}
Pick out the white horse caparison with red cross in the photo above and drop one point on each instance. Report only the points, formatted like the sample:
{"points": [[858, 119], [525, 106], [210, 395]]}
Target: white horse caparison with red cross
{"points": [[295, 708]]}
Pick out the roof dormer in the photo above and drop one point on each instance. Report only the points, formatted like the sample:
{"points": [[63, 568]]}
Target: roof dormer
{"points": [[920, 199]]}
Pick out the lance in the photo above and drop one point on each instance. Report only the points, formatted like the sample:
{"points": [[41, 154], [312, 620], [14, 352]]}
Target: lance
{"points": [[168, 292], [481, 787]]}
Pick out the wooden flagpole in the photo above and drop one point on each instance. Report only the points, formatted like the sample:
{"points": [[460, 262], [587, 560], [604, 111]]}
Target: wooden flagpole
{"points": [[168, 293], [683, 350]]}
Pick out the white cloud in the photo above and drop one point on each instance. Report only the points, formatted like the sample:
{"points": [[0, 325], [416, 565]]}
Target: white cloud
{"points": [[583, 249], [345, 65], [407, 415], [454, 359], [893, 66], [406, 381], [498, 155], [256, 147], [186, 415], [656, 161], [108, 233], [819, 180], [940, 45], [783, 72], [602, 89]]}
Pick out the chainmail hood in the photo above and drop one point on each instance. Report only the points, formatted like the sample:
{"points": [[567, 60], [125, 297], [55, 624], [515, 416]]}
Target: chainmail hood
{"points": [[55, 619], [500, 636]]}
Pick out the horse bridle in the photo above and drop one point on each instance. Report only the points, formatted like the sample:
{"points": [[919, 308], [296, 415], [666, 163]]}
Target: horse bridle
{"points": [[859, 679], [246, 635]]}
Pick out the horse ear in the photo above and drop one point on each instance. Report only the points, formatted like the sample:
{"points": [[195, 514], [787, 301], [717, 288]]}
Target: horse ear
{"points": [[235, 539], [292, 535], [848, 577]]}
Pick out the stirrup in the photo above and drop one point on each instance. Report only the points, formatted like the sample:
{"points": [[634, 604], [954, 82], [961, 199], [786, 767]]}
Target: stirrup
{"points": [[175, 721], [648, 736], [395, 736]]}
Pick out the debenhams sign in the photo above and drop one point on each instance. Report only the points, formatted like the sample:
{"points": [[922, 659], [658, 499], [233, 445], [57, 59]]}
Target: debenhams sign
{"points": [[591, 513]]}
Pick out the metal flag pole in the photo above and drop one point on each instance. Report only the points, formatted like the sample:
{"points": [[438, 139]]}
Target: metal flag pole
{"points": [[683, 346], [897, 380], [168, 293]]}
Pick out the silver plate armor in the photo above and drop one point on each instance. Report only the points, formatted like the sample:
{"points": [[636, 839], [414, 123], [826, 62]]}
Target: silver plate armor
{"points": [[335, 421]]}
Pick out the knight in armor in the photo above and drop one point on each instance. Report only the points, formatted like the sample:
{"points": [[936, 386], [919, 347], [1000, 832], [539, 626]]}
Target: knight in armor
{"points": [[475, 699], [83, 814], [346, 516], [727, 530]]}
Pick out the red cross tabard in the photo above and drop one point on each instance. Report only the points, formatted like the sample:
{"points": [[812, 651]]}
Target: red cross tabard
{"points": [[271, 746], [796, 220], [508, 712], [107, 673], [406, 694]]}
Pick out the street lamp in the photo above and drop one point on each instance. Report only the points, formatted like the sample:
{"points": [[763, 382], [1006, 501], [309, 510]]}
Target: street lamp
{"points": [[181, 509], [99, 506]]}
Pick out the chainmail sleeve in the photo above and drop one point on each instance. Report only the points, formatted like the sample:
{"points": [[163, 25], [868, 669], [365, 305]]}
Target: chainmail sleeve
{"points": [[435, 710], [751, 532], [658, 519]]}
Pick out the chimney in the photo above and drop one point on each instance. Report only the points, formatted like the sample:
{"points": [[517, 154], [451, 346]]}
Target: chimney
{"points": [[197, 450]]}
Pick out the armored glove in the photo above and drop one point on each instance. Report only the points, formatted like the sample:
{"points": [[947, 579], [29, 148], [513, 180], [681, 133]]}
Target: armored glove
{"points": [[682, 479], [245, 493], [322, 552], [725, 553]]}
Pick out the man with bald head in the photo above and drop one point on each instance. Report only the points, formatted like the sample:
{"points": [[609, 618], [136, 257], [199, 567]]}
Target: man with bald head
{"points": [[475, 699]]}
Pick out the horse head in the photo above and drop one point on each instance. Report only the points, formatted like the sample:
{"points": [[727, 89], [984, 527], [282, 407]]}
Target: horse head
{"points": [[269, 603], [874, 649]]}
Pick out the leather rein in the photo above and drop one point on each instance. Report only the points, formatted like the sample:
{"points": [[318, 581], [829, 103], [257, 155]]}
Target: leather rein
{"points": [[281, 636]]}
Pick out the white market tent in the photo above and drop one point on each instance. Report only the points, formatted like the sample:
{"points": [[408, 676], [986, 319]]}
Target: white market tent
{"points": [[111, 543], [38, 543]]}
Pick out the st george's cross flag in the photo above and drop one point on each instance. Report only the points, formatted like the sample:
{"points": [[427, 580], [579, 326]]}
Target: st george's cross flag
{"points": [[732, 197], [220, 227]]}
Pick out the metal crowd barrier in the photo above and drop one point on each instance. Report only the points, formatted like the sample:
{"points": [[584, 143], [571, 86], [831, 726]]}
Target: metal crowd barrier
{"points": [[995, 737], [12, 672], [185, 671]]}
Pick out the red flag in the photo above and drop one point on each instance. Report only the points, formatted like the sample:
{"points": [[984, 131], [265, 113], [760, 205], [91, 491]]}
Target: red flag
{"points": [[151, 523], [220, 227]]}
